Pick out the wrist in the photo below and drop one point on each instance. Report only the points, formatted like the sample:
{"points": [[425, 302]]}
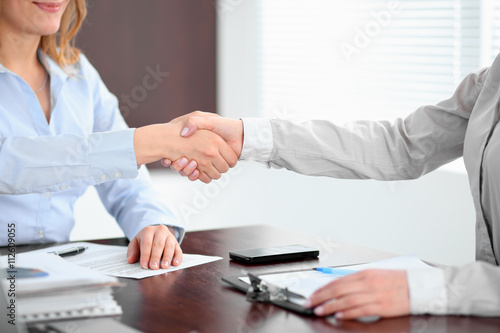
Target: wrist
{"points": [[150, 143]]}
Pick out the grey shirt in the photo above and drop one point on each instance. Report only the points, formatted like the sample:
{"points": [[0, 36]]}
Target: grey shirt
{"points": [[433, 135]]}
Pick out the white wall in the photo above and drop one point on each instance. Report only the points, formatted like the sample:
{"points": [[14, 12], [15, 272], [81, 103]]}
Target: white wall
{"points": [[432, 217]]}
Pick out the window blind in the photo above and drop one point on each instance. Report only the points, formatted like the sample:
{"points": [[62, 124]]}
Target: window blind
{"points": [[494, 26], [366, 59]]}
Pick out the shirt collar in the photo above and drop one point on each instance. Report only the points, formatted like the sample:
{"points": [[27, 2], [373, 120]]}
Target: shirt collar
{"points": [[53, 68], [50, 65]]}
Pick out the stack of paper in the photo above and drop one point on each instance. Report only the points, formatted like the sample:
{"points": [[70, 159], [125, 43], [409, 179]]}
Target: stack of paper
{"points": [[45, 287]]}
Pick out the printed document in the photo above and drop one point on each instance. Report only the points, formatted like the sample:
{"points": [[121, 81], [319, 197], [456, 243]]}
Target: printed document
{"points": [[112, 260]]}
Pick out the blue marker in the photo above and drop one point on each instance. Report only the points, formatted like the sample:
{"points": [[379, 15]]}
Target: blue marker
{"points": [[336, 271]]}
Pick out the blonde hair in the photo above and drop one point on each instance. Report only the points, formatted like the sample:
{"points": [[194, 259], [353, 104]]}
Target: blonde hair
{"points": [[61, 45]]}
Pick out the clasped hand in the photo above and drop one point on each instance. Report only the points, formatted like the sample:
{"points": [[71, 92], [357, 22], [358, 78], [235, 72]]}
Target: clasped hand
{"points": [[230, 130]]}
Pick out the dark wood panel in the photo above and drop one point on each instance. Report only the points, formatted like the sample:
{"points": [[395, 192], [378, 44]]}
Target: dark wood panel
{"points": [[196, 300], [127, 40]]}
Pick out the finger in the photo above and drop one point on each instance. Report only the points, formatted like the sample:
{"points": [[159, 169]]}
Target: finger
{"points": [[194, 176], [363, 311], [337, 289], [213, 171], [177, 260], [168, 251], [166, 162], [190, 168], [179, 164], [145, 245], [220, 165], [345, 303], [195, 123], [212, 163], [229, 155], [203, 177], [133, 251], [159, 239]]}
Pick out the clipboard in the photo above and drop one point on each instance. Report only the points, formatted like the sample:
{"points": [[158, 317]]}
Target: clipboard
{"points": [[261, 291]]}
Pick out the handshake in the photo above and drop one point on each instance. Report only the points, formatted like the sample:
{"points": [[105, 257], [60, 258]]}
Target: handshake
{"points": [[199, 145]]}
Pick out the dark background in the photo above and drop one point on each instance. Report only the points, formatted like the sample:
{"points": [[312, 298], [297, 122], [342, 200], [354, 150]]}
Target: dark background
{"points": [[122, 38]]}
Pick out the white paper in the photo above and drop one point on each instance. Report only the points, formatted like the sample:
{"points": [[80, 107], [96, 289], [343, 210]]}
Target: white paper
{"points": [[403, 262], [112, 260], [59, 289], [60, 274], [305, 283]]}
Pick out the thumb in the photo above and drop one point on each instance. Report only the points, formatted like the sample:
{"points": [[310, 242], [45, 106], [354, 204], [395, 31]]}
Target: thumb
{"points": [[133, 251], [195, 123]]}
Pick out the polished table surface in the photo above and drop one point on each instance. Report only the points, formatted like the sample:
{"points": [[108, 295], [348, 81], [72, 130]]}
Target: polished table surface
{"points": [[196, 300]]}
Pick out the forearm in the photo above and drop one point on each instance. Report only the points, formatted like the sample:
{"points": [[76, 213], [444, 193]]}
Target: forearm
{"points": [[379, 150], [135, 204], [150, 143], [55, 163]]}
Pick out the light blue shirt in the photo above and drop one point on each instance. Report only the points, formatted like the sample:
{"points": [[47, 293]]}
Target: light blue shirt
{"points": [[46, 167]]}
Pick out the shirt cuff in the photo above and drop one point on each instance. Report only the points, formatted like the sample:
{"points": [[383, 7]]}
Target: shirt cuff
{"points": [[258, 140], [427, 291], [112, 155], [179, 232]]}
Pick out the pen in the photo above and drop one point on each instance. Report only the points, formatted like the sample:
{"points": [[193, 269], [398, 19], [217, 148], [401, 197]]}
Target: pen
{"points": [[70, 251], [336, 271]]}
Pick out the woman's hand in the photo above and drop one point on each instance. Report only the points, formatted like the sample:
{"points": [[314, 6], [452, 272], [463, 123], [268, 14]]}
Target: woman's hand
{"points": [[156, 246], [381, 293]]}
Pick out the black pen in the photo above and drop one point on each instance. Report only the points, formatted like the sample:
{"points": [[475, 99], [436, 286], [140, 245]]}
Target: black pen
{"points": [[70, 251]]}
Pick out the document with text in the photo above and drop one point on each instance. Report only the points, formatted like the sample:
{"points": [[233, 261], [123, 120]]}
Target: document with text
{"points": [[112, 260]]}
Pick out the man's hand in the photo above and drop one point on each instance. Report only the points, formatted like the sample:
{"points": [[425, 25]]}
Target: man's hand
{"points": [[231, 130], [381, 293], [152, 244]]}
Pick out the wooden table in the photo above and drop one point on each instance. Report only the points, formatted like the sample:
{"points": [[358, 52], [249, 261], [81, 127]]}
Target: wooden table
{"points": [[196, 300]]}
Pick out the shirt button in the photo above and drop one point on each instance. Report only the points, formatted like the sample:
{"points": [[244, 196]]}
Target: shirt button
{"points": [[63, 187], [46, 195], [103, 177], [40, 233], [117, 174]]}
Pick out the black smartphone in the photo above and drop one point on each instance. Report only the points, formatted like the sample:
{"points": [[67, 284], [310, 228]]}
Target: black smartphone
{"points": [[274, 254]]}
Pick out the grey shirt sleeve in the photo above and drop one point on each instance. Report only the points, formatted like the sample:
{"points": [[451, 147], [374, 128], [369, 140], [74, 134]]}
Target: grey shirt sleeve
{"points": [[473, 289], [407, 148]]}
